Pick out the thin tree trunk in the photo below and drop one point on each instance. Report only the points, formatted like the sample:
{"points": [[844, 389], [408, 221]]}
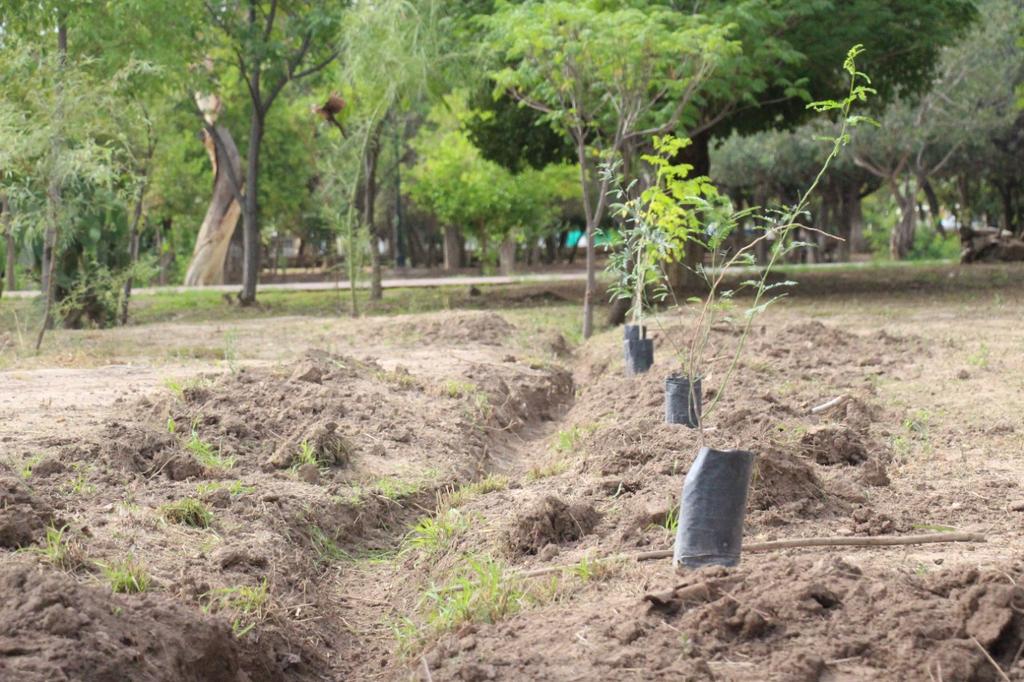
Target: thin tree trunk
{"points": [[133, 252], [370, 158], [5, 216], [902, 238], [51, 238], [452, 249], [251, 212], [507, 256], [166, 255]]}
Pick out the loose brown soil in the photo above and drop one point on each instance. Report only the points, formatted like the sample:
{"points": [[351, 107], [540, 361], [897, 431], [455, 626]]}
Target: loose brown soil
{"points": [[336, 549]]}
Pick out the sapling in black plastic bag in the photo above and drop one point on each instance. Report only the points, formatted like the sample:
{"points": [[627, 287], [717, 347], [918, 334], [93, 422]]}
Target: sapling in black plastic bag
{"points": [[692, 214]]}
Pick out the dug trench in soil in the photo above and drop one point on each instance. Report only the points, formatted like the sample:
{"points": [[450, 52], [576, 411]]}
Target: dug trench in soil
{"points": [[793, 615], [294, 477]]}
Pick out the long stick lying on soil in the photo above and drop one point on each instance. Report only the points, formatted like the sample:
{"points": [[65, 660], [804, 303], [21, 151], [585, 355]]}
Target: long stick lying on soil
{"points": [[869, 541]]}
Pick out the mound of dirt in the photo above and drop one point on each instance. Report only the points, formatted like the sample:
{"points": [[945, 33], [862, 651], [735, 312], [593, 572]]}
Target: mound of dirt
{"points": [[834, 445], [23, 517], [550, 521], [457, 329], [898, 628], [54, 628], [136, 447], [784, 482], [773, 618]]}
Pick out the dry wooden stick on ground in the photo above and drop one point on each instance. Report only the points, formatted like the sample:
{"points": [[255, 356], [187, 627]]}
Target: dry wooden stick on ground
{"points": [[826, 406], [869, 541]]}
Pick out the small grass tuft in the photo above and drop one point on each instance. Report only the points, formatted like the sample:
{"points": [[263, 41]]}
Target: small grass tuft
{"points": [[468, 491], [454, 388], [547, 470], [434, 534], [482, 594], [188, 512], [60, 548], [234, 488], [247, 604], [207, 455], [126, 575]]}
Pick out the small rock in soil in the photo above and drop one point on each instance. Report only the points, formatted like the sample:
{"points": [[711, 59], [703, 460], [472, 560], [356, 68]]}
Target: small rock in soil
{"points": [[309, 373], [309, 473], [1017, 506], [219, 498], [549, 552], [873, 473]]}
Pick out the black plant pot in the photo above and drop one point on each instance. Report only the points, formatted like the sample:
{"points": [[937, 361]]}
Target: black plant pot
{"points": [[682, 406], [712, 507], [638, 348]]}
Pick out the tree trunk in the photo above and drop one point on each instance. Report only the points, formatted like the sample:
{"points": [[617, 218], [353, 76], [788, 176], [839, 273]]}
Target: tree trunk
{"points": [[208, 257], [370, 158], [5, 217], [54, 189], [251, 213], [507, 256], [133, 253], [902, 238], [166, 255], [934, 207], [452, 249]]}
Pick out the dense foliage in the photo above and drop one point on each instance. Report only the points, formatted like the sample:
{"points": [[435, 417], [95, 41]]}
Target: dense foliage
{"points": [[433, 132]]}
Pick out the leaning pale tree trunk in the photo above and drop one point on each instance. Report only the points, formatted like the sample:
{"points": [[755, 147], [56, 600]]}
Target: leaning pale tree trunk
{"points": [[207, 265]]}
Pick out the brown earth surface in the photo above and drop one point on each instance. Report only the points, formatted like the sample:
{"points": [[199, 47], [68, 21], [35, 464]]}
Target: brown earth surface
{"points": [[379, 487]]}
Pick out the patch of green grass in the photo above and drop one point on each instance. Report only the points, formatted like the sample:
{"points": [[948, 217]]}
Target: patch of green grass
{"points": [[547, 470], [588, 569], [306, 455], [172, 426], [567, 440], [247, 604], [671, 520], [980, 358], [394, 488], [188, 512], [483, 593], [126, 575], [398, 377], [59, 548], [79, 483], [231, 350], [207, 455], [454, 388], [178, 387], [326, 548], [434, 534], [25, 466], [234, 488], [467, 491], [918, 421]]}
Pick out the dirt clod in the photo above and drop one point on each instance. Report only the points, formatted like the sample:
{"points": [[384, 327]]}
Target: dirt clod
{"points": [[550, 521], [53, 627], [834, 445]]}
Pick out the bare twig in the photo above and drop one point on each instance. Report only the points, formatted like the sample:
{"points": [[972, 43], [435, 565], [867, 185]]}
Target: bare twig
{"points": [[829, 404]]}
